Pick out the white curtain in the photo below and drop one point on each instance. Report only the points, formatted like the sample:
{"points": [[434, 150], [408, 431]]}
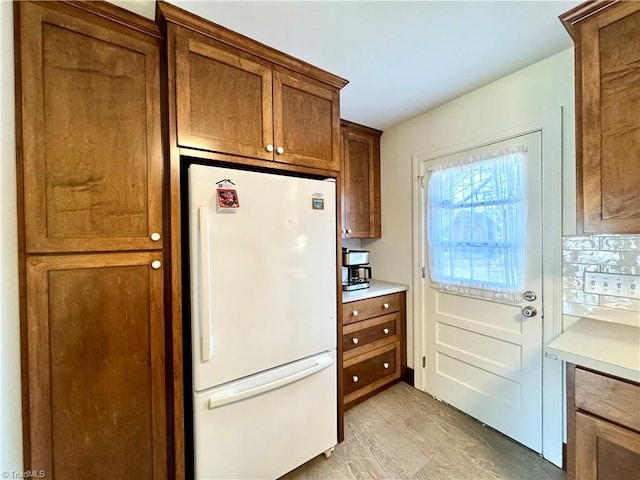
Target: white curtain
{"points": [[476, 225]]}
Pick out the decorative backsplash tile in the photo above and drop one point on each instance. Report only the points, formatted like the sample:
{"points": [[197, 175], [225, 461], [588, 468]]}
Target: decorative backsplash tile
{"points": [[599, 253]]}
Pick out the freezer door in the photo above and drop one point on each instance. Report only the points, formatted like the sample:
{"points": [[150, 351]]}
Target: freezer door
{"points": [[268, 424], [263, 276]]}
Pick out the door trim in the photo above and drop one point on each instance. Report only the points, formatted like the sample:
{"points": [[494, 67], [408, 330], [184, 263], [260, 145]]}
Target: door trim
{"points": [[550, 127]]}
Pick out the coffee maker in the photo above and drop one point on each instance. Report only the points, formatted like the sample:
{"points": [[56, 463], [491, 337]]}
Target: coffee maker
{"points": [[355, 272]]}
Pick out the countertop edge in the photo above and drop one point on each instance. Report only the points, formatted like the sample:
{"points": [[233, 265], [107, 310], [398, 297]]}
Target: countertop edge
{"points": [[603, 346], [377, 288]]}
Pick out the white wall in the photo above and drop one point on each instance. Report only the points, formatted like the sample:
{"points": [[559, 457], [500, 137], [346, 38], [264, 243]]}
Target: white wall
{"points": [[519, 98], [10, 389]]}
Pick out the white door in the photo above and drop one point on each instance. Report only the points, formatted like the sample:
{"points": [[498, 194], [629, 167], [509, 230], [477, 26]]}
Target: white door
{"points": [[484, 349], [263, 278]]}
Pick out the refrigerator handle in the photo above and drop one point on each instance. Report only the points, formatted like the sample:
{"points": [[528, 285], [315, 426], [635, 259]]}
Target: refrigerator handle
{"points": [[229, 396], [205, 279]]}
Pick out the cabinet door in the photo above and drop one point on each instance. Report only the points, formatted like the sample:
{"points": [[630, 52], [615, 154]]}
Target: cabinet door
{"points": [[89, 99], [610, 85], [96, 366], [306, 122], [224, 101], [605, 451], [361, 186]]}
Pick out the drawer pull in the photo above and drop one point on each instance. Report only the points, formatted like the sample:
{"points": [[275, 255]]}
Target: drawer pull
{"points": [[385, 305], [385, 365], [354, 313], [355, 379], [385, 330], [355, 340]]}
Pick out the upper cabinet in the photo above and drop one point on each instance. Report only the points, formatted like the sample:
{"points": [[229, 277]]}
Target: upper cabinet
{"points": [[360, 181], [235, 96], [607, 105], [89, 126]]}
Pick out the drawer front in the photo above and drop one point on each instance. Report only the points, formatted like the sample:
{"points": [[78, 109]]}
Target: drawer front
{"points": [[368, 371], [370, 307], [609, 398], [386, 327]]}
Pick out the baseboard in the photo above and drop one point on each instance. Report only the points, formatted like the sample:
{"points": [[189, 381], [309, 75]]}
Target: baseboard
{"points": [[408, 377]]}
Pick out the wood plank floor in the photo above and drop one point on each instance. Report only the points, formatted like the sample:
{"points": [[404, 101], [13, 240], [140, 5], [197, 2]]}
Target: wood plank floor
{"points": [[403, 433]]}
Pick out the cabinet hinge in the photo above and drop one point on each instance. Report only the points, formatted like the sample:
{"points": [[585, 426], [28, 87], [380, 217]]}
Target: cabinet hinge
{"points": [[424, 362], [424, 272]]}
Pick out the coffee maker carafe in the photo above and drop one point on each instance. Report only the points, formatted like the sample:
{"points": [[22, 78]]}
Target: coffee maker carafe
{"points": [[355, 270]]}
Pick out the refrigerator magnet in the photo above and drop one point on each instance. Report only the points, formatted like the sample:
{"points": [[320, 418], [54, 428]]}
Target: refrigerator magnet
{"points": [[317, 203], [227, 199]]}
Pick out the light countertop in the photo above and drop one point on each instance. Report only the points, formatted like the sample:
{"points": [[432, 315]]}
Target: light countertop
{"points": [[376, 289], [604, 346]]}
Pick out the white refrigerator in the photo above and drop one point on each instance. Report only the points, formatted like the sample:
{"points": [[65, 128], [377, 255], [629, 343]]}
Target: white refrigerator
{"points": [[263, 321]]}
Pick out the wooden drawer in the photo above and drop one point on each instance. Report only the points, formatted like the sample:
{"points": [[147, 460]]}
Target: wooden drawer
{"points": [[371, 371], [369, 308], [369, 334], [608, 398]]}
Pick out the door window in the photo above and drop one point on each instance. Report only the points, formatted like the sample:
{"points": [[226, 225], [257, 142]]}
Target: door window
{"points": [[476, 225]]}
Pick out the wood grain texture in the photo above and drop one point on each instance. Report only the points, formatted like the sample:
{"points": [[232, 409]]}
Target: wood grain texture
{"points": [[224, 99], [96, 361], [362, 334], [306, 121], [370, 307], [91, 148], [605, 451], [361, 174], [608, 101], [610, 398]]}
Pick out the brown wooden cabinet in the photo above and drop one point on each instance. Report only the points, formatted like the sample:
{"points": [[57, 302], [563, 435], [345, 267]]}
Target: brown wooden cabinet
{"points": [[360, 181], [607, 121], [95, 328], [90, 180], [233, 102], [603, 426], [90, 132], [373, 345]]}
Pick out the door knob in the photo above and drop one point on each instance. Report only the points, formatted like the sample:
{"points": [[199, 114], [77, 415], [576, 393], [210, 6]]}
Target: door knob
{"points": [[529, 311]]}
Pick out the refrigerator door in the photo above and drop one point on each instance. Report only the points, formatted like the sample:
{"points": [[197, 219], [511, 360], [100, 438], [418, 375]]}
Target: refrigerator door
{"points": [[268, 424], [263, 276]]}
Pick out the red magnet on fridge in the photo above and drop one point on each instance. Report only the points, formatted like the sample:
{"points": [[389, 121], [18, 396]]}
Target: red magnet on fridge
{"points": [[227, 196]]}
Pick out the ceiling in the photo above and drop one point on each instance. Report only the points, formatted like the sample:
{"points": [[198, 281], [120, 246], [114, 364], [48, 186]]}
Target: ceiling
{"points": [[401, 58]]}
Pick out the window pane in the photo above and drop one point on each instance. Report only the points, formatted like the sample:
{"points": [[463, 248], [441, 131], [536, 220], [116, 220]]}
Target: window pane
{"points": [[476, 224]]}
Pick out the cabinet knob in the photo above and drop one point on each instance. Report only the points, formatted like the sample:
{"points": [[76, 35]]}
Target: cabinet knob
{"points": [[280, 150], [155, 236], [156, 264], [355, 379], [385, 330], [385, 305], [348, 230], [385, 365], [354, 313], [355, 340], [269, 148]]}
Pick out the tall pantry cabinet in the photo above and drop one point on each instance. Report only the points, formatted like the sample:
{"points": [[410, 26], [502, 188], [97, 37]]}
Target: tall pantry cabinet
{"points": [[91, 241]]}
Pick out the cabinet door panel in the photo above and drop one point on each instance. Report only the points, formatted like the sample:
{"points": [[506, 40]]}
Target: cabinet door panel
{"points": [[224, 100], [306, 122], [610, 62], [605, 451], [96, 366], [358, 185], [91, 146]]}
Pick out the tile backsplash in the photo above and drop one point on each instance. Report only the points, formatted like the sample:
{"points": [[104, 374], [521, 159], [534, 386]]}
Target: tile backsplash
{"points": [[599, 253]]}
